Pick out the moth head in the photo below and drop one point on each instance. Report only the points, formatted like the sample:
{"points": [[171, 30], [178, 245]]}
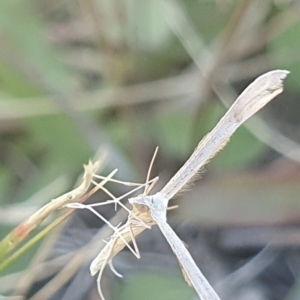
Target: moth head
{"points": [[141, 203]]}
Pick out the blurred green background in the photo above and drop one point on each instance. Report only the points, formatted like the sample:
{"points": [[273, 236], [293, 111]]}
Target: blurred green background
{"points": [[80, 77]]}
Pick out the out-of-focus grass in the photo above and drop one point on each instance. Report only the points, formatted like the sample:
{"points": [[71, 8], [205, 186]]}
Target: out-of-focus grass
{"points": [[160, 286]]}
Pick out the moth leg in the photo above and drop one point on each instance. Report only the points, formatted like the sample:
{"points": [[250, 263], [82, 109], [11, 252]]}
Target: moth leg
{"points": [[136, 248], [106, 259]]}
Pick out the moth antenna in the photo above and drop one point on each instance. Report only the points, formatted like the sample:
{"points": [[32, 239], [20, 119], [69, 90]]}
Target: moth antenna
{"points": [[146, 191], [150, 187]]}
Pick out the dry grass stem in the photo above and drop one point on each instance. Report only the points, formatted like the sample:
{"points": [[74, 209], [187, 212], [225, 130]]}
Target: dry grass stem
{"points": [[27, 226], [33, 221]]}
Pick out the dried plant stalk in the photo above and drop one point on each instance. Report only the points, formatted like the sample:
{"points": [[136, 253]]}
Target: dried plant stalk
{"points": [[33, 221], [26, 227]]}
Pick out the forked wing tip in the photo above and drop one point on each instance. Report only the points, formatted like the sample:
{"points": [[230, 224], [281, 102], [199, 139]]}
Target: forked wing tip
{"points": [[280, 73]]}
